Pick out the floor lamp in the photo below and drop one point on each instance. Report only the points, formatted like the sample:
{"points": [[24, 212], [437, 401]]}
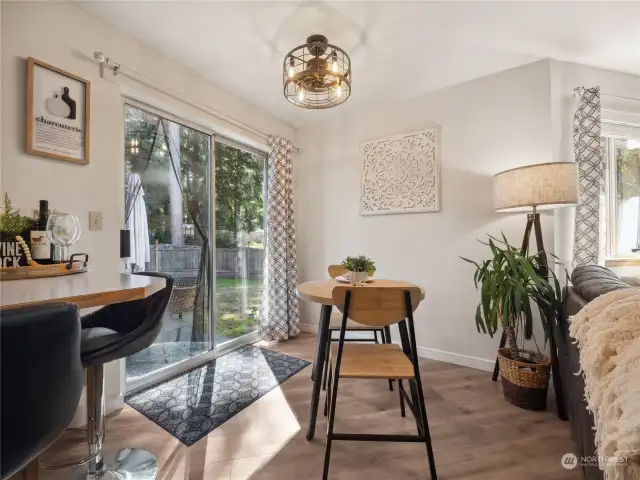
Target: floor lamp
{"points": [[532, 188]]}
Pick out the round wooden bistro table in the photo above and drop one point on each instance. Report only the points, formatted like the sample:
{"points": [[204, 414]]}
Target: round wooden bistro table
{"points": [[320, 291]]}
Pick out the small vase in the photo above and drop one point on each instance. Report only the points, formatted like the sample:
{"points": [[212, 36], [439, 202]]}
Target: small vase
{"points": [[357, 277]]}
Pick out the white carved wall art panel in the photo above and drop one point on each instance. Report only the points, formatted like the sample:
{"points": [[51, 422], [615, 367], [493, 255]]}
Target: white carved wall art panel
{"points": [[400, 174]]}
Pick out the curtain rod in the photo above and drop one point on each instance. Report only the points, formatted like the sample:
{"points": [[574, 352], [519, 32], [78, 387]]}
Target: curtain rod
{"points": [[118, 67]]}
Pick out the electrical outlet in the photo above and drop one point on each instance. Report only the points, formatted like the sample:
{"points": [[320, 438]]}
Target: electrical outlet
{"points": [[95, 221]]}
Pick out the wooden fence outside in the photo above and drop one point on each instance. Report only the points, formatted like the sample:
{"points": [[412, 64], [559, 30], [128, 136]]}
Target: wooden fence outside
{"points": [[185, 260], [243, 260]]}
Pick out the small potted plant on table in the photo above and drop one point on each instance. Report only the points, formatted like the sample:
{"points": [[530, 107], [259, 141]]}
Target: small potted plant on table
{"points": [[509, 284], [360, 268]]}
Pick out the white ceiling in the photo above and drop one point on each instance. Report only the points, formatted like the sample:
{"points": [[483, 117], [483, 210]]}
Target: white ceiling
{"points": [[398, 49]]}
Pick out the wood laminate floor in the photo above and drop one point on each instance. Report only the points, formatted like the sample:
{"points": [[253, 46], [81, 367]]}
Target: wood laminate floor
{"points": [[476, 434]]}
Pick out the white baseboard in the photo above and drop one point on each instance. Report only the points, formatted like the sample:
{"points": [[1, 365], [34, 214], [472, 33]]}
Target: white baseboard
{"points": [[309, 328], [456, 359]]}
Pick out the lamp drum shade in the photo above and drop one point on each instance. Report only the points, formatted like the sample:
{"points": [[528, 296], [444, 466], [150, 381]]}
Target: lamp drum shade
{"points": [[544, 186]]}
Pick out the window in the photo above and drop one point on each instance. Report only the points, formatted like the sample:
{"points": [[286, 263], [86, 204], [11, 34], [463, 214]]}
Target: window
{"points": [[240, 237], [168, 201], [622, 154], [194, 208]]}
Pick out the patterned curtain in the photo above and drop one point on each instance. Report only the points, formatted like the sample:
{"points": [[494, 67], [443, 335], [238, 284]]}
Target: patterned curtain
{"points": [[587, 147], [279, 313]]}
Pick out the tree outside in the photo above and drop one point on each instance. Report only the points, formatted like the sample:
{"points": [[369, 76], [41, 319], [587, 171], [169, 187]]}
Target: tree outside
{"points": [[239, 226], [239, 198], [177, 211], [147, 143], [628, 187]]}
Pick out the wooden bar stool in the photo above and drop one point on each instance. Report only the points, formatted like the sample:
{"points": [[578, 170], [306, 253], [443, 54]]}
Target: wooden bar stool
{"points": [[378, 307], [352, 326]]}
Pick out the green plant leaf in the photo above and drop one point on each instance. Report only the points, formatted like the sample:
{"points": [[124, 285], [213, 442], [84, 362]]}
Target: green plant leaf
{"points": [[480, 321], [505, 312], [360, 263], [517, 297], [11, 222], [470, 261], [511, 261], [510, 281]]}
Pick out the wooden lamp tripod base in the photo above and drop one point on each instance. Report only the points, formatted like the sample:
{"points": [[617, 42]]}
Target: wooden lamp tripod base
{"points": [[533, 221]]}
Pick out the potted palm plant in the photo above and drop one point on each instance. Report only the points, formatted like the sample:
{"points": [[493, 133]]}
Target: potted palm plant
{"points": [[360, 268], [511, 283]]}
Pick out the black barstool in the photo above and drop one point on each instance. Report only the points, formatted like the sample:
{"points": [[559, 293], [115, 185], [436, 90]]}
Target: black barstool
{"points": [[41, 382], [111, 333]]}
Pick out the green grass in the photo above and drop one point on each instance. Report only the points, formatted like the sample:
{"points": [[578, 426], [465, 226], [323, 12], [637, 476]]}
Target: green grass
{"points": [[237, 282], [233, 317]]}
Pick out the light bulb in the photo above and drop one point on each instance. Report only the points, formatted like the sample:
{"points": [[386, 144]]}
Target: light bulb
{"points": [[338, 91], [292, 70], [301, 95], [164, 147], [334, 63]]}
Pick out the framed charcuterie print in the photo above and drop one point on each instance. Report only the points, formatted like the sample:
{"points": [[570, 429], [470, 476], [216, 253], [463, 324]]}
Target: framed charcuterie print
{"points": [[58, 113]]}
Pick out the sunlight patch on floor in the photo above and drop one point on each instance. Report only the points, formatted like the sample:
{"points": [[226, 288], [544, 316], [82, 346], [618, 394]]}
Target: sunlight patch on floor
{"points": [[255, 435]]}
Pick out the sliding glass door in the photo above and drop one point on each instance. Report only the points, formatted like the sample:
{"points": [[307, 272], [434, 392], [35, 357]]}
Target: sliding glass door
{"points": [[194, 208], [240, 238]]}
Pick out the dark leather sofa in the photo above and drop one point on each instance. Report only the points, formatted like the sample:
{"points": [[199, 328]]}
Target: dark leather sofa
{"points": [[587, 283]]}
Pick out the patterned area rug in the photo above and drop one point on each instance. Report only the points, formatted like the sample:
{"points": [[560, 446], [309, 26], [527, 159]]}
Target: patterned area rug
{"points": [[193, 404]]}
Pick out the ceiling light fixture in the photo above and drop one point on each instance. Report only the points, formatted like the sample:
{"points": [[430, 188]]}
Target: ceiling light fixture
{"points": [[317, 75]]}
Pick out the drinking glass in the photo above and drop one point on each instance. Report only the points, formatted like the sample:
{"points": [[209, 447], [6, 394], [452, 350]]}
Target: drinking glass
{"points": [[63, 230]]}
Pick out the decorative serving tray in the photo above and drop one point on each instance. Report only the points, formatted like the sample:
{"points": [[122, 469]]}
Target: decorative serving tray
{"points": [[44, 271]]}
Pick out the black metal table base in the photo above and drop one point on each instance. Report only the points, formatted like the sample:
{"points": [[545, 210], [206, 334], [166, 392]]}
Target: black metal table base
{"points": [[316, 375]]}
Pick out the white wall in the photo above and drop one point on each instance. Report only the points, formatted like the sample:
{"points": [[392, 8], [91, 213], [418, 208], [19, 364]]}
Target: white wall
{"points": [[1, 129], [63, 35], [488, 125], [564, 78]]}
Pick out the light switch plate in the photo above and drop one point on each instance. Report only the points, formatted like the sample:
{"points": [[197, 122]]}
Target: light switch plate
{"points": [[95, 221]]}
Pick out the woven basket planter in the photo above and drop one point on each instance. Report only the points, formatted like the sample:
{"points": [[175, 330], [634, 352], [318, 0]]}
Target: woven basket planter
{"points": [[525, 384]]}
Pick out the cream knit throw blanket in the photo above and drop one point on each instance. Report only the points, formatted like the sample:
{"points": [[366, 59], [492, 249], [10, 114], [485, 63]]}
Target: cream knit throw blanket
{"points": [[608, 331]]}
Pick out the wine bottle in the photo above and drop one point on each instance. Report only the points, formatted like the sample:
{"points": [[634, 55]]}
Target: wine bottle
{"points": [[40, 244]]}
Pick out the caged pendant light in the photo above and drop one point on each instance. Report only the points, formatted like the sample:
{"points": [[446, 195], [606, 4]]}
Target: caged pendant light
{"points": [[317, 74]]}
